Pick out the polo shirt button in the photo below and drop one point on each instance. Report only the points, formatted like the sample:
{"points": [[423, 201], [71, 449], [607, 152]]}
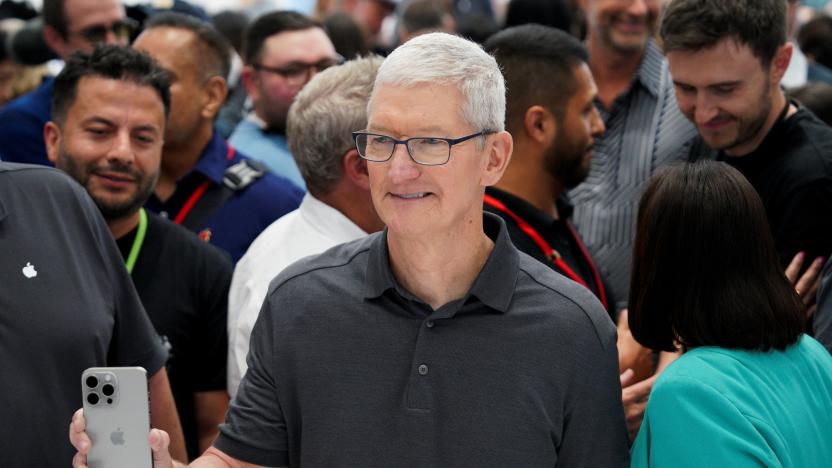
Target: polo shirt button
{"points": [[423, 369], [429, 324]]}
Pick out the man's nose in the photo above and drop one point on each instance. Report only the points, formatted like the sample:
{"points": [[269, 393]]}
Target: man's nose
{"points": [[121, 149], [402, 166]]}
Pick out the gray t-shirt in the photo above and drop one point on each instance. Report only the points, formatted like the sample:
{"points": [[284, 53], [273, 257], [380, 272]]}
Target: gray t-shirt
{"points": [[66, 304], [348, 368]]}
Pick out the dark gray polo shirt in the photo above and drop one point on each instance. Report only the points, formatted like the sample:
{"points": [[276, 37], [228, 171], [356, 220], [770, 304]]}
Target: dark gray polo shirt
{"points": [[346, 368]]}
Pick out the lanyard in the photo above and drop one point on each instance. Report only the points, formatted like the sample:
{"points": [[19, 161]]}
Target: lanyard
{"points": [[550, 253], [197, 194], [137, 241]]}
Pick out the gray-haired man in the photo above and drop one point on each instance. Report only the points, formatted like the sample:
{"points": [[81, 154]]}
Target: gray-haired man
{"points": [[434, 342]]}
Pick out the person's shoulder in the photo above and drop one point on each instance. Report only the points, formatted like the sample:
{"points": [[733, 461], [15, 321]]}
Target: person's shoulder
{"points": [[40, 178], [269, 184], [340, 261], [186, 244], [572, 306]]}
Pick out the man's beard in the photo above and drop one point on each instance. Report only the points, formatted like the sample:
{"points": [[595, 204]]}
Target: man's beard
{"points": [[110, 210], [748, 129], [565, 160]]}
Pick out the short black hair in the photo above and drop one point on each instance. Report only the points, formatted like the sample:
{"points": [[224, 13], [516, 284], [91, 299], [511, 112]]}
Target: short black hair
{"points": [[54, 15], [554, 13], [815, 39], [815, 96], [346, 35], [232, 25], [705, 269], [422, 15], [213, 52], [268, 25], [693, 25], [538, 64], [109, 62]]}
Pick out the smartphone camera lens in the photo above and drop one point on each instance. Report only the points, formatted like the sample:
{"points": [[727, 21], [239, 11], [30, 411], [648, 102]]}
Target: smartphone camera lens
{"points": [[92, 381], [108, 390], [92, 398]]}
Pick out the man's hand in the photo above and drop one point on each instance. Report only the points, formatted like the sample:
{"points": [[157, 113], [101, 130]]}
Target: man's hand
{"points": [[807, 285], [159, 442], [634, 396]]}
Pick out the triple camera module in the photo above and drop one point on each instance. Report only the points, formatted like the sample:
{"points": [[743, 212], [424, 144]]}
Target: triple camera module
{"points": [[100, 387]]}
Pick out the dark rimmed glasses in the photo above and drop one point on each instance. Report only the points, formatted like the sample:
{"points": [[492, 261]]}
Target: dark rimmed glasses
{"points": [[299, 72], [427, 151], [121, 29]]}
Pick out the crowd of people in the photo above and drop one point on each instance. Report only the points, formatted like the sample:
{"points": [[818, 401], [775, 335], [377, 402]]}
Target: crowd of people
{"points": [[421, 232]]}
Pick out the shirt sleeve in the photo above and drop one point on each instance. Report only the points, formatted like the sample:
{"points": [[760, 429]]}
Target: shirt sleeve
{"points": [[239, 324], [255, 428], [690, 424], [595, 433]]}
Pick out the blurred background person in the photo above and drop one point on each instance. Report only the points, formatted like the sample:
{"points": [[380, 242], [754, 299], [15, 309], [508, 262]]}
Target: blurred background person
{"points": [[750, 389], [69, 26], [423, 16]]}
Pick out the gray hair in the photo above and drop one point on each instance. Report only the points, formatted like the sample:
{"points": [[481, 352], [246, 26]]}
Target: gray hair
{"points": [[443, 59], [323, 116]]}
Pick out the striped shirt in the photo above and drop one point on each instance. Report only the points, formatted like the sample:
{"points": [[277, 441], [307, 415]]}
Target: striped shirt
{"points": [[644, 131]]}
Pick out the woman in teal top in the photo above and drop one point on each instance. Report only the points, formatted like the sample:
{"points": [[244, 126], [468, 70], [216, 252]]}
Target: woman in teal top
{"points": [[750, 389]]}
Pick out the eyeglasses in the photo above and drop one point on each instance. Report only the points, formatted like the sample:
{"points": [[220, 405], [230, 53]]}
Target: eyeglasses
{"points": [[121, 29], [427, 151], [299, 72]]}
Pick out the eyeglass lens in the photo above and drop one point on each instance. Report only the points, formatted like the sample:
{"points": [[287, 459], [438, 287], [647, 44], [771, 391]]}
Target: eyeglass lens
{"points": [[429, 151]]}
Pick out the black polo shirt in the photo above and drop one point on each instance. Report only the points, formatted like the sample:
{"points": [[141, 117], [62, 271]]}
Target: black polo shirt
{"points": [[558, 233], [346, 368]]}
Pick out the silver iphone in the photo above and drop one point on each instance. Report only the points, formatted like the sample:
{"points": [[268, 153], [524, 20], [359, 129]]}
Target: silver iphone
{"points": [[118, 417]]}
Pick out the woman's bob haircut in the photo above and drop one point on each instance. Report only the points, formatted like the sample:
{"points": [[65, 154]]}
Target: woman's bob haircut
{"points": [[705, 271]]}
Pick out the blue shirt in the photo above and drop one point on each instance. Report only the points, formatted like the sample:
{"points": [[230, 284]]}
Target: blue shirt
{"points": [[269, 148], [21, 126], [735, 408], [235, 224]]}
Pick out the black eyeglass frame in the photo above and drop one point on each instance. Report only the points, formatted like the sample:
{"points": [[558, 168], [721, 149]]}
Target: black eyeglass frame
{"points": [[286, 72], [450, 141], [98, 33]]}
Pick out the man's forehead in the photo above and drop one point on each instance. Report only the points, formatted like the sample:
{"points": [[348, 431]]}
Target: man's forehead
{"points": [[305, 45], [423, 109], [96, 94], [80, 13]]}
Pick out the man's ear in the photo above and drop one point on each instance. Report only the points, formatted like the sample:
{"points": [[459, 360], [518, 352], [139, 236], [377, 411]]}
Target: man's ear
{"points": [[499, 156], [55, 41], [52, 138], [781, 62], [249, 77], [216, 90], [540, 125], [355, 169]]}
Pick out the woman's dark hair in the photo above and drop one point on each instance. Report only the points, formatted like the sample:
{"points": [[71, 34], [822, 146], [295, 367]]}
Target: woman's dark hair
{"points": [[705, 270]]}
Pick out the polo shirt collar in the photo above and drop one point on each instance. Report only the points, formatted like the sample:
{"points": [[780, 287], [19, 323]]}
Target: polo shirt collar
{"points": [[214, 159], [494, 286]]}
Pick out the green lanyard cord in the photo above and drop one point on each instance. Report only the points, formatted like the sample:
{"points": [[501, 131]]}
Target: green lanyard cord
{"points": [[137, 242]]}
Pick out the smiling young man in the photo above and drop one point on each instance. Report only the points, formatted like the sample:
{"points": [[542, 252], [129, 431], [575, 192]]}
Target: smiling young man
{"points": [[69, 26], [434, 342], [727, 77]]}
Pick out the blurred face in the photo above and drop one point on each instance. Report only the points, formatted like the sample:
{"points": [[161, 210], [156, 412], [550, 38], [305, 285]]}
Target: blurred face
{"points": [[726, 92], [8, 73], [571, 153], [111, 143], [174, 50], [622, 25], [288, 61], [86, 19], [419, 200]]}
